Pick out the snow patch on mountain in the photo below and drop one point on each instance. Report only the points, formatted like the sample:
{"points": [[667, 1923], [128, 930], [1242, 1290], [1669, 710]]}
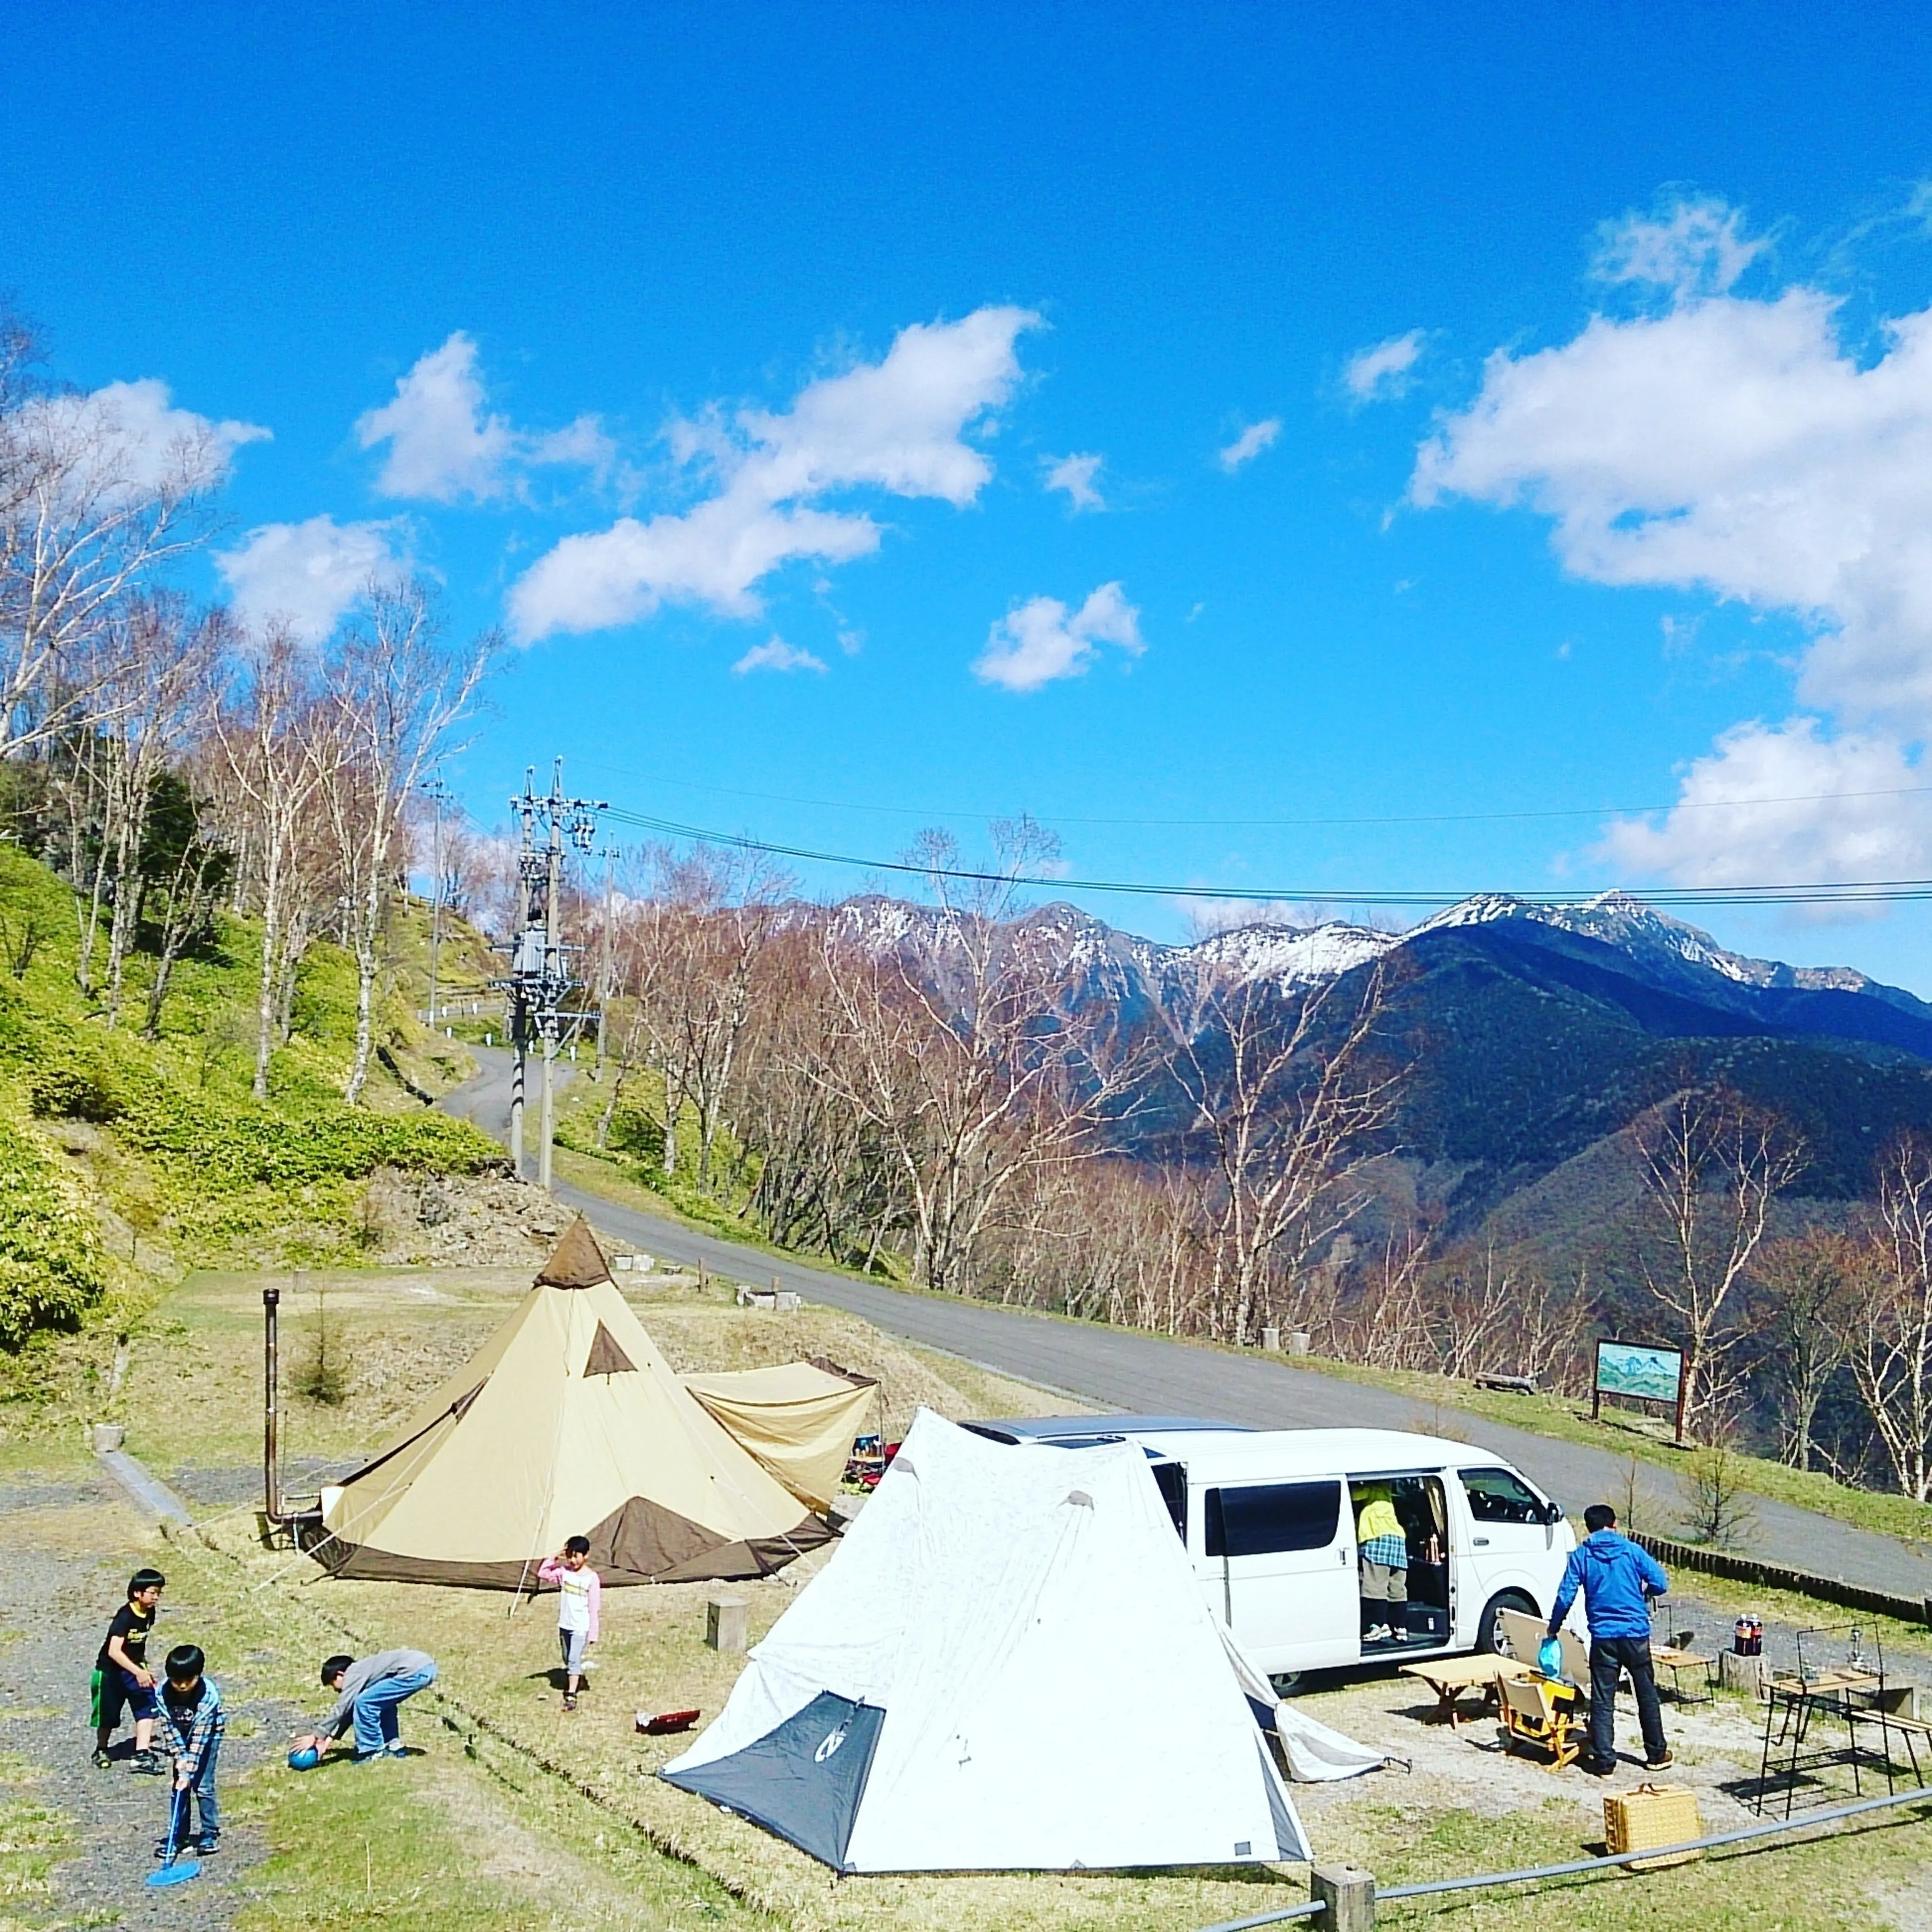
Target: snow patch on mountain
{"points": [[1289, 955]]}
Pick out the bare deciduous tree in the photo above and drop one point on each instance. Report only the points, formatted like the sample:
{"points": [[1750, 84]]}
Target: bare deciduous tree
{"points": [[1891, 1345], [1809, 1293], [88, 512], [1712, 1165], [394, 691], [1287, 1108], [265, 736]]}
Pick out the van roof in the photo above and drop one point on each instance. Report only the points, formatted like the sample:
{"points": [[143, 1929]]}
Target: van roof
{"points": [[1316, 1452], [1076, 1431]]}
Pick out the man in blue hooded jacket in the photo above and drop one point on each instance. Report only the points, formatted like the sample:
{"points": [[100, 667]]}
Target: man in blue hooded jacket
{"points": [[1618, 1578]]}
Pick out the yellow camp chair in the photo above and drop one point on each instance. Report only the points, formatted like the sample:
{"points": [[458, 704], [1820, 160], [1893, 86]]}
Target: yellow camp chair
{"points": [[1541, 1712]]}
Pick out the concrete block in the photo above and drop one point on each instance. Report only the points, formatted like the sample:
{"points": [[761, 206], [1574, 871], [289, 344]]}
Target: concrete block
{"points": [[1271, 1340], [1347, 1896], [1299, 1342], [726, 1620], [108, 1435]]}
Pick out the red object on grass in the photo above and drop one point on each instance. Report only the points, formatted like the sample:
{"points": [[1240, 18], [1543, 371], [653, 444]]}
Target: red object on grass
{"points": [[666, 1722]]}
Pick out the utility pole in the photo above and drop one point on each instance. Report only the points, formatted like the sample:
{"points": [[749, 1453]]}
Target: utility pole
{"points": [[436, 795], [610, 856], [539, 978]]}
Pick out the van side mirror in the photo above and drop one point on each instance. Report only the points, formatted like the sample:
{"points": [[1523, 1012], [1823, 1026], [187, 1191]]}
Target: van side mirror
{"points": [[1553, 1514]]}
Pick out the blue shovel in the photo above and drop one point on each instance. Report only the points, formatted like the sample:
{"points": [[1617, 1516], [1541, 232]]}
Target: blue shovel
{"points": [[174, 1871]]}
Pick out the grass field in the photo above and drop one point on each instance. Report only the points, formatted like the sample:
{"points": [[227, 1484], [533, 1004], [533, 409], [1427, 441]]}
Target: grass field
{"points": [[520, 1815]]}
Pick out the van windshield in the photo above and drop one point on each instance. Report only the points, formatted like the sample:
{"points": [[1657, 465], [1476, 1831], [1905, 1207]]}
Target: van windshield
{"points": [[1496, 1496]]}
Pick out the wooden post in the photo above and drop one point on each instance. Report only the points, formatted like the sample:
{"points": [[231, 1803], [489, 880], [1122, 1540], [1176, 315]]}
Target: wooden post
{"points": [[724, 1622], [1347, 1896]]}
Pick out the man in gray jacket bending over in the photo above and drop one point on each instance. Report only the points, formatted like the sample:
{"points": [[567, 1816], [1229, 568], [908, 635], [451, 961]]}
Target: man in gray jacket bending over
{"points": [[369, 1691]]}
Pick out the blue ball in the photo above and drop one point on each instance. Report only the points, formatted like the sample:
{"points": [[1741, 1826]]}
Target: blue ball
{"points": [[304, 1760]]}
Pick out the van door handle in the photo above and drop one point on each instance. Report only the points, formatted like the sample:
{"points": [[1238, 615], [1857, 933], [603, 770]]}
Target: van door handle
{"points": [[1345, 1555], [1480, 1542]]}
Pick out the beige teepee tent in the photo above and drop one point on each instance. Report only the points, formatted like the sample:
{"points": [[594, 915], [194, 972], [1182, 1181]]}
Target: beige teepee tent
{"points": [[798, 1419], [567, 1422]]}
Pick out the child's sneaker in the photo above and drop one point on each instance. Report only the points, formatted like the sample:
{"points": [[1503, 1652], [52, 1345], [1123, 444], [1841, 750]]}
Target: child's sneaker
{"points": [[147, 1764], [208, 1843], [570, 1700], [103, 1760]]}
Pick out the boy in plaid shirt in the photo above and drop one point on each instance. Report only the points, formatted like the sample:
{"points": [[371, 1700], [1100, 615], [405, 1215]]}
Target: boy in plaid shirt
{"points": [[192, 1724]]}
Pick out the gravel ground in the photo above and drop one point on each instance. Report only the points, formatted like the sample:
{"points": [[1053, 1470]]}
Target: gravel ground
{"points": [[56, 1605]]}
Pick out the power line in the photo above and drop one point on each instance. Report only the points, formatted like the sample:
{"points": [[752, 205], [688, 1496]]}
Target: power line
{"points": [[1849, 892], [937, 812]]}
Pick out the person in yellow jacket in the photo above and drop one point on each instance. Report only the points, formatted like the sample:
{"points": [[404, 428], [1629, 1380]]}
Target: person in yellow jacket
{"points": [[1381, 1549]]}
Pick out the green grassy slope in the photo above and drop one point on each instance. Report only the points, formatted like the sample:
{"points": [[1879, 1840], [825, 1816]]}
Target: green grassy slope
{"points": [[119, 1156]]}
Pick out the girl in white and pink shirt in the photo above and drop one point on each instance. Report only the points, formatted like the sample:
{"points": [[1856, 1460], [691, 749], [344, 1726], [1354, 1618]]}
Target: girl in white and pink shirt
{"points": [[580, 1592]]}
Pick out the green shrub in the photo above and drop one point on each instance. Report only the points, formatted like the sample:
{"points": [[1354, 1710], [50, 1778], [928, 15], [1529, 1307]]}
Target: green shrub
{"points": [[51, 1268], [77, 1087]]}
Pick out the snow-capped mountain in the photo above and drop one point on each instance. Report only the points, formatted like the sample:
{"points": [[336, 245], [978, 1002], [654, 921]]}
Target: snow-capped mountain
{"points": [[1109, 964]]}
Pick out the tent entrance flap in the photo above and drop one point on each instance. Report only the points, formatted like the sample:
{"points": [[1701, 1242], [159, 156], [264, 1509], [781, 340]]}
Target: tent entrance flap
{"points": [[803, 1779]]}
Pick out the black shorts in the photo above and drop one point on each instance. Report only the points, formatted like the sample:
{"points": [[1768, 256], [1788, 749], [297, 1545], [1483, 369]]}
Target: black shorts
{"points": [[114, 1690]]}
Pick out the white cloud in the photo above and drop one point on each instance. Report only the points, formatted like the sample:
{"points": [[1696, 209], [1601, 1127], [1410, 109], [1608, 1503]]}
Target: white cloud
{"points": [[443, 444], [1787, 804], [774, 654], [307, 574], [1039, 640], [1379, 374], [127, 438], [1695, 247], [1730, 446], [1733, 445], [896, 425], [1075, 475], [1249, 444]]}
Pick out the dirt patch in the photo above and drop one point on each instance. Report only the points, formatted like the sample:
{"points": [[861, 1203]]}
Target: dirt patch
{"points": [[454, 1221]]}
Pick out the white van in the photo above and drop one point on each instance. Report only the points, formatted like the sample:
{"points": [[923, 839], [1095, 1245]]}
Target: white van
{"points": [[1268, 1517]]}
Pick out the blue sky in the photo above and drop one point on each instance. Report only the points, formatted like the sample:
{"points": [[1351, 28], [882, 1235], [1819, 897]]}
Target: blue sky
{"points": [[752, 363]]}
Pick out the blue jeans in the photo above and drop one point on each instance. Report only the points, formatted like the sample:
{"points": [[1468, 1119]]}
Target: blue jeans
{"points": [[206, 1809], [375, 1709]]}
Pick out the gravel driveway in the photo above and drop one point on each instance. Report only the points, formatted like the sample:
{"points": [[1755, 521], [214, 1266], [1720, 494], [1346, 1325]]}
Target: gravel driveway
{"points": [[55, 1602]]}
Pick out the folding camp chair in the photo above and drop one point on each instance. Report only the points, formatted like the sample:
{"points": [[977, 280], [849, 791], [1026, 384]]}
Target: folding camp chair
{"points": [[1540, 1712]]}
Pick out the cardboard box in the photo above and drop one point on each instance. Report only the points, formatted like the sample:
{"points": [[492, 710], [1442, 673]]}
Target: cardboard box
{"points": [[1653, 1814]]}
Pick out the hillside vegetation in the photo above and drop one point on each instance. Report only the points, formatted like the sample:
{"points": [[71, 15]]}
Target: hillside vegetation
{"points": [[122, 1156]]}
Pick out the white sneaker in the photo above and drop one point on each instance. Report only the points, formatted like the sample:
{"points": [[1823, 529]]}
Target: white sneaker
{"points": [[1380, 1634]]}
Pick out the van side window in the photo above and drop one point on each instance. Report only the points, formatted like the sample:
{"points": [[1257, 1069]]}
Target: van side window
{"points": [[1496, 1496], [1170, 1479], [1269, 1517]]}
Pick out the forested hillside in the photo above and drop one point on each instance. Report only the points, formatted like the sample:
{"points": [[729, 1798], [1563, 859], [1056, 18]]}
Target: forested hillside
{"points": [[125, 1150]]}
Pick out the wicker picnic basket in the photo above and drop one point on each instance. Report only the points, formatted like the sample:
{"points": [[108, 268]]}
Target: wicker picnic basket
{"points": [[1653, 1814]]}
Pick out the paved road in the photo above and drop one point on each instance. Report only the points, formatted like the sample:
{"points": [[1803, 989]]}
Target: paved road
{"points": [[1120, 1369]]}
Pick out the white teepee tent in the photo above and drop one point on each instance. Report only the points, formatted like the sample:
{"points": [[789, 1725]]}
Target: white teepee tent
{"points": [[1006, 1665]]}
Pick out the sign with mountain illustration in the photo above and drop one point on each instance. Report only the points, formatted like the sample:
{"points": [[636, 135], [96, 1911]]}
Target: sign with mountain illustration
{"points": [[1647, 1374]]}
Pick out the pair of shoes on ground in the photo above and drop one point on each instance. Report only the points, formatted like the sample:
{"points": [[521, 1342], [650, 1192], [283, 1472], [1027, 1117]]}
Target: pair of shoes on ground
{"points": [[204, 1846], [1601, 1767], [147, 1764], [396, 1749]]}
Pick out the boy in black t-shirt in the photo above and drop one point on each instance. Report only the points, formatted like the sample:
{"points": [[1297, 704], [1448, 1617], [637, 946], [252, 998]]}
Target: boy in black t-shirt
{"points": [[122, 1679]]}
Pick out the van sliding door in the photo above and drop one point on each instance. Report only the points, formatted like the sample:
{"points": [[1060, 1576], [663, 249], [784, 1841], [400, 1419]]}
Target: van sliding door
{"points": [[1281, 1572]]}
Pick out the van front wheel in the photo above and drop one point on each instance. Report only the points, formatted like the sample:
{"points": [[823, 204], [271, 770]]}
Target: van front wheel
{"points": [[1490, 1631]]}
